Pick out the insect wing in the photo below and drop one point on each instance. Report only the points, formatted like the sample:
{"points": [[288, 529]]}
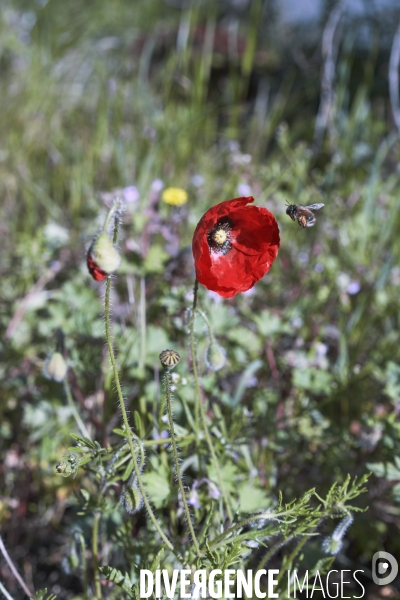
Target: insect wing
{"points": [[315, 206], [309, 219]]}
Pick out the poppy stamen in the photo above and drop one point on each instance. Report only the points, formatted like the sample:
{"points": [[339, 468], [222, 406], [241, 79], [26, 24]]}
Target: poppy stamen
{"points": [[219, 237]]}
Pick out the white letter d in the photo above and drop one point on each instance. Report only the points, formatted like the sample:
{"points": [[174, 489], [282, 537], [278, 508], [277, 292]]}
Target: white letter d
{"points": [[142, 586]]}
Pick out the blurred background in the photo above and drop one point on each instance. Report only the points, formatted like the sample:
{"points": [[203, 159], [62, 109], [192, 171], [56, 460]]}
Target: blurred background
{"points": [[290, 100]]}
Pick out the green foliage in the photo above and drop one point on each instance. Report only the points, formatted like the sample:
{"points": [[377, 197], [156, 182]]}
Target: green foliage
{"points": [[42, 595], [93, 102]]}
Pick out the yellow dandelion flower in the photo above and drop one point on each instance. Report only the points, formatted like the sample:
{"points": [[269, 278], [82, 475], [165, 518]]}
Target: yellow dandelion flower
{"points": [[174, 196]]}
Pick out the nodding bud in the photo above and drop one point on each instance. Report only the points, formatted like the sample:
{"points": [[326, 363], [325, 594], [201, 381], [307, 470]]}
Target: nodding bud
{"points": [[215, 356], [132, 498], [331, 546], [102, 258], [56, 367], [334, 543], [63, 468], [169, 359]]}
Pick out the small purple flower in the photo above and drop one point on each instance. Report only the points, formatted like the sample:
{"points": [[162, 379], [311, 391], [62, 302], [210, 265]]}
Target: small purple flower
{"points": [[244, 189], [130, 194], [353, 287], [303, 257], [157, 185], [197, 180], [213, 491], [194, 499]]}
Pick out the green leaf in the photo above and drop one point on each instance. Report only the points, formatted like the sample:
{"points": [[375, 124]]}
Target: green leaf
{"points": [[120, 579], [313, 380], [229, 474], [157, 484], [155, 259], [251, 498], [245, 338], [41, 595], [386, 470]]}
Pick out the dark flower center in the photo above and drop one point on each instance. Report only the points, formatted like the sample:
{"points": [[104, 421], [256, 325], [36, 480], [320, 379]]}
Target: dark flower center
{"points": [[219, 237]]}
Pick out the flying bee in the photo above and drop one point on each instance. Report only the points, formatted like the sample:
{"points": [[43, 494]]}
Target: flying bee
{"points": [[303, 214]]}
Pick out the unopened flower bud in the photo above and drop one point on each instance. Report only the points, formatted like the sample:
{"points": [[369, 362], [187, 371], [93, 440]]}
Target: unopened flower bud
{"points": [[132, 499], [169, 359], [331, 546], [334, 543], [102, 257], [56, 367], [215, 356], [63, 468]]}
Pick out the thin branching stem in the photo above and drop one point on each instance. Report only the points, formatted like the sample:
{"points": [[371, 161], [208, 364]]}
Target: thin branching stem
{"points": [[247, 521], [200, 406], [125, 419], [271, 552], [207, 322], [123, 409], [168, 398]]}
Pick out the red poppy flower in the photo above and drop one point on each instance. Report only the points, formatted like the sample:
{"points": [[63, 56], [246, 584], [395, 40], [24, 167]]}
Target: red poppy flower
{"points": [[234, 246]]}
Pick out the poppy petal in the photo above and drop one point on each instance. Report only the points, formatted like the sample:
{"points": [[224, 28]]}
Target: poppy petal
{"points": [[253, 247]]}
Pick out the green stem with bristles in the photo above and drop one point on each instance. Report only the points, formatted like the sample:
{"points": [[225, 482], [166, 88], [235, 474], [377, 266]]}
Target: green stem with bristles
{"points": [[200, 407], [168, 398], [124, 413], [95, 553], [125, 419]]}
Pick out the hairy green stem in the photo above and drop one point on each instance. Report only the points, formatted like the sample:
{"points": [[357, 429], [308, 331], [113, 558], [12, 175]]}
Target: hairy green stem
{"points": [[168, 398], [81, 426], [125, 419], [95, 554], [188, 438], [200, 407], [268, 555], [142, 321]]}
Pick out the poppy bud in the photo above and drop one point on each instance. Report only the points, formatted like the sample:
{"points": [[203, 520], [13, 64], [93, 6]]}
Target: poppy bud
{"points": [[102, 257], [56, 368], [215, 356], [169, 359], [334, 543], [132, 499]]}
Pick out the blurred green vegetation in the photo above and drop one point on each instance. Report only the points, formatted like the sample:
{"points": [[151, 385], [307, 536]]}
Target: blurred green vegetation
{"points": [[97, 97]]}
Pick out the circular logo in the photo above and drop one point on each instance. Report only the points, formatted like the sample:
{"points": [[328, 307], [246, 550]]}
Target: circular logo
{"points": [[381, 561]]}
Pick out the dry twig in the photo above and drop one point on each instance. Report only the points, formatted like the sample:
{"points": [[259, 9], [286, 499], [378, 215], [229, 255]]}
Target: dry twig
{"points": [[330, 48], [13, 569]]}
